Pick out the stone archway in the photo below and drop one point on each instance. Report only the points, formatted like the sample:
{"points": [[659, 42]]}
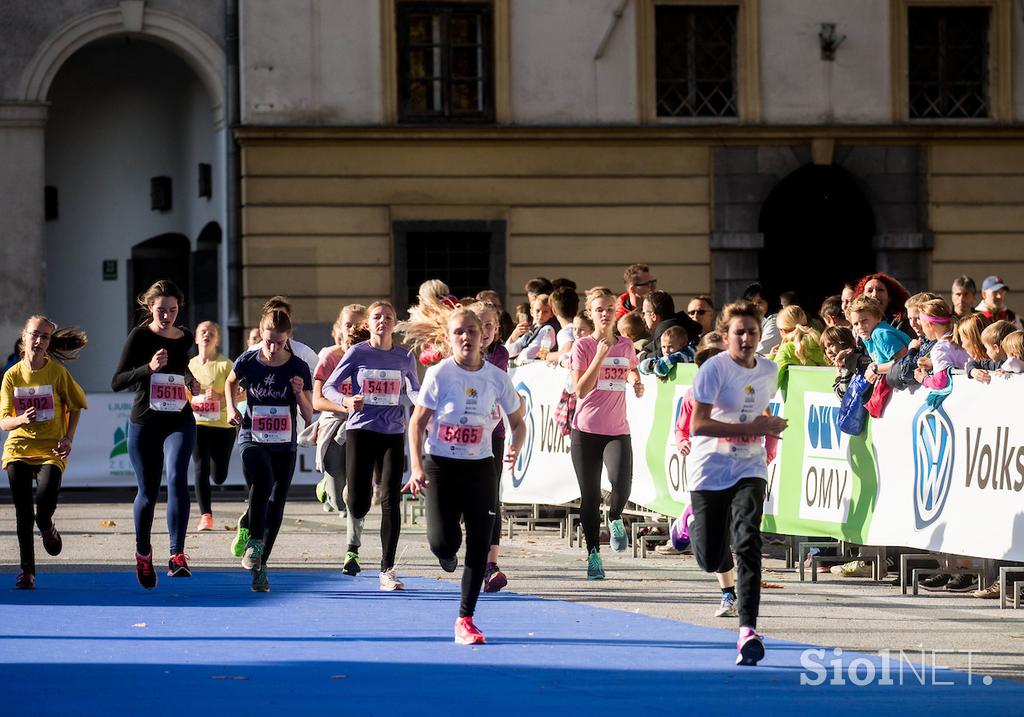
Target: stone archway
{"points": [[196, 48]]}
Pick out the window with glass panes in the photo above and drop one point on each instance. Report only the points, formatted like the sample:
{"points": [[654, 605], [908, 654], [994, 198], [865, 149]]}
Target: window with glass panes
{"points": [[947, 63], [445, 61], [695, 60]]}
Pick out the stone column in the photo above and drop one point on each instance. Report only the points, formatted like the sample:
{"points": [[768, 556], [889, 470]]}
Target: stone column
{"points": [[22, 224]]}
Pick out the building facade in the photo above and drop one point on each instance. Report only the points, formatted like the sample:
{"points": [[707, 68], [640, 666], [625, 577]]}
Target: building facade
{"points": [[802, 142]]}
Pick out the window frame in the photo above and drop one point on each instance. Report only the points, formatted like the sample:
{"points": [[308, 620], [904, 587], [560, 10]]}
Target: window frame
{"points": [[500, 96], [1000, 61], [748, 72]]}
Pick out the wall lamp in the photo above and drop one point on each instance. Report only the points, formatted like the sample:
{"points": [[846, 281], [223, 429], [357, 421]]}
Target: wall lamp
{"points": [[830, 42]]}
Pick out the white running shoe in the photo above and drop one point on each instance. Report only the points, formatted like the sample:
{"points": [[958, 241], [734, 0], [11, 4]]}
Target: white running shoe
{"points": [[389, 581]]}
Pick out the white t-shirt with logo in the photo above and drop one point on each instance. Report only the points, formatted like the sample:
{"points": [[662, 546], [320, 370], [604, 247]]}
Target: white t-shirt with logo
{"points": [[466, 408], [737, 395]]}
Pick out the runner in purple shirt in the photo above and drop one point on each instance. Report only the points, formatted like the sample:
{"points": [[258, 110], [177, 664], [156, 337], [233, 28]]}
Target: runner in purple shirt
{"points": [[376, 425]]}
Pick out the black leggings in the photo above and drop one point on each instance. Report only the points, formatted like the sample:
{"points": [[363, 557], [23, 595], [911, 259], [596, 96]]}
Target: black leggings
{"points": [[212, 456], [497, 455], [461, 489], [20, 475], [368, 450], [270, 477], [738, 510], [589, 450]]}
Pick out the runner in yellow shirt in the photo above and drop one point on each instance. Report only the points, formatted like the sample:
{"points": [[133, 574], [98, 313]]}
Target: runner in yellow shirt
{"points": [[39, 405]]}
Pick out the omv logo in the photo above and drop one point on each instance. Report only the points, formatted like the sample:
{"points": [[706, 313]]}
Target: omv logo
{"points": [[526, 453], [933, 464]]}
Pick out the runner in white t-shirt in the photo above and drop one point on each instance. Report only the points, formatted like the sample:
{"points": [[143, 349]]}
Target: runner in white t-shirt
{"points": [[727, 466], [458, 406]]}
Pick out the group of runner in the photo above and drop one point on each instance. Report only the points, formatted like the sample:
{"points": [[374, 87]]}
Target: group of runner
{"points": [[193, 406]]}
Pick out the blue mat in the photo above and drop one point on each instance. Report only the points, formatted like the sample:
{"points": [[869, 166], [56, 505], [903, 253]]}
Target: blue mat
{"points": [[319, 643]]}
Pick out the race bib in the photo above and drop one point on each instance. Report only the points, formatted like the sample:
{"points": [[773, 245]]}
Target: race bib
{"points": [[206, 409], [464, 438], [167, 392], [346, 387], [612, 376], [741, 447], [271, 424], [380, 387], [37, 397]]}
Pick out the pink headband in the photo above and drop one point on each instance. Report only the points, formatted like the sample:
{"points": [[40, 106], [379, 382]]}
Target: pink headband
{"points": [[935, 319]]}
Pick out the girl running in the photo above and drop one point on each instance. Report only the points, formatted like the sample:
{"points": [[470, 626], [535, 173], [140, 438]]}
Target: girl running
{"points": [[375, 430], [40, 404], [602, 366], [215, 437], [495, 353], [330, 437], [458, 408], [277, 385], [154, 363], [727, 465]]}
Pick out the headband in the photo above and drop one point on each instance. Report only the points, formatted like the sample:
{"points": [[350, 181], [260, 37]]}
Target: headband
{"points": [[935, 319]]}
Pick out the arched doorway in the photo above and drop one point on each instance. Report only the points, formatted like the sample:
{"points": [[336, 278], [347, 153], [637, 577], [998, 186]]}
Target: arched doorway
{"points": [[818, 228], [128, 115], [205, 274]]}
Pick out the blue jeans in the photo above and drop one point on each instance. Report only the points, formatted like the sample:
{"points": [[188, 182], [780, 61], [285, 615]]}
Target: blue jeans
{"points": [[148, 445]]}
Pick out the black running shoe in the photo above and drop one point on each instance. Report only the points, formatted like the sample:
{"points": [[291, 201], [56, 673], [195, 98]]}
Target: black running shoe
{"points": [[177, 566], [144, 570], [25, 581], [962, 583], [448, 564], [935, 583], [52, 542]]}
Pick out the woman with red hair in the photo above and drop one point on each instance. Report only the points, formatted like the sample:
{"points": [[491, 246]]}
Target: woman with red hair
{"points": [[892, 295]]}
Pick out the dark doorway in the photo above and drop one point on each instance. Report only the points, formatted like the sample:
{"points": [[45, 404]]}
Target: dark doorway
{"points": [[467, 256], [163, 257], [205, 288], [818, 228]]}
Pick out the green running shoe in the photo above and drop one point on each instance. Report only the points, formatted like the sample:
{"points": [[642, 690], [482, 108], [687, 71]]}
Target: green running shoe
{"points": [[260, 584], [321, 490], [252, 559], [618, 540], [595, 570], [241, 538], [351, 566]]}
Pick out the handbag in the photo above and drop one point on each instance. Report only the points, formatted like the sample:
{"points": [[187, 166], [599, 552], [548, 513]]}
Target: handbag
{"points": [[853, 416], [565, 412], [879, 398]]}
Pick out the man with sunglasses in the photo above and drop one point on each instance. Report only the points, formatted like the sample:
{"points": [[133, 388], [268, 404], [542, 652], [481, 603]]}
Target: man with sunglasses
{"points": [[659, 313], [639, 283], [702, 310]]}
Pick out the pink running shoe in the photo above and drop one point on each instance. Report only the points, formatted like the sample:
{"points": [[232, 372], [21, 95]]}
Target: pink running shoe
{"points": [[466, 633], [680, 531], [205, 522], [750, 647]]}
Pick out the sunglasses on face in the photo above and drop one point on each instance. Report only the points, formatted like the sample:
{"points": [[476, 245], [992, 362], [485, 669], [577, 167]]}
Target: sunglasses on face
{"points": [[698, 312], [652, 283]]}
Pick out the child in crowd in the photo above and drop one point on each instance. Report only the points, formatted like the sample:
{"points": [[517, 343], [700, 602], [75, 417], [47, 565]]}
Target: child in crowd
{"points": [[711, 339], [831, 312], [534, 341], [938, 324], [632, 326], [884, 344], [992, 339], [840, 348], [801, 345], [901, 377], [675, 349], [970, 330], [1013, 346]]}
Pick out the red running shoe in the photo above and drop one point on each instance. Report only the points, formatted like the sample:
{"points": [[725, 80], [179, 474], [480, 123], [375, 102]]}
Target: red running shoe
{"points": [[144, 570], [494, 579], [25, 581], [177, 566], [466, 633]]}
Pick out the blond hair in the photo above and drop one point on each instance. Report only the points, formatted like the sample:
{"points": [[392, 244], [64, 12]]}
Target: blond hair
{"points": [[1013, 344], [793, 320], [995, 332], [968, 331], [739, 309], [65, 343], [866, 304], [916, 300]]}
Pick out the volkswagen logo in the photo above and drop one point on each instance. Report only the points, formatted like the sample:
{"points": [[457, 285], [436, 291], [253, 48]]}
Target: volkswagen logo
{"points": [[933, 444], [523, 461]]}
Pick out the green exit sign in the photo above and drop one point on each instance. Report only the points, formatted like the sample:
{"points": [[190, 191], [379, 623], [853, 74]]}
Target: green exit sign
{"points": [[110, 270]]}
